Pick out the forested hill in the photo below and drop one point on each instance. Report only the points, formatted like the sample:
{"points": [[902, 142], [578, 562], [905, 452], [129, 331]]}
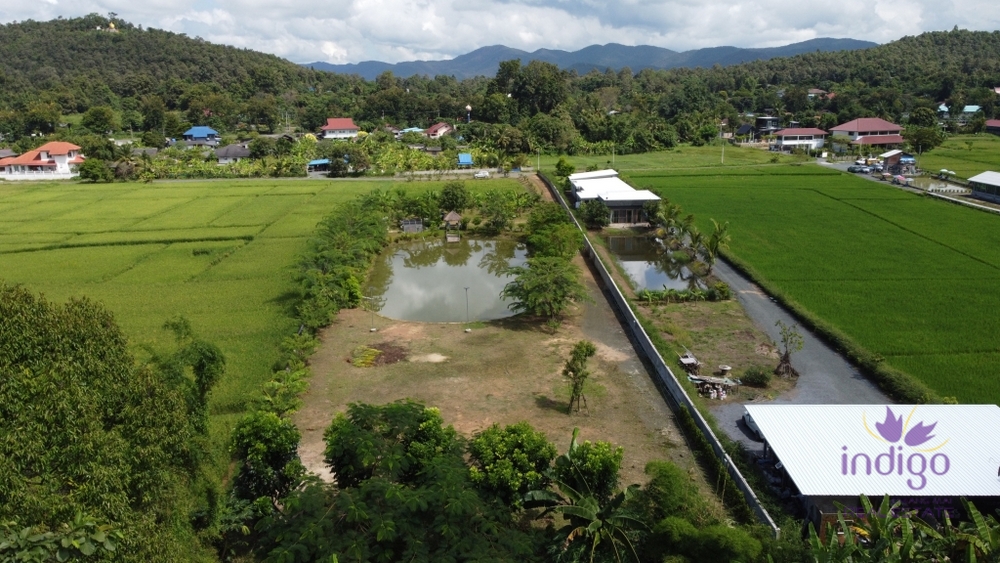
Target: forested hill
{"points": [[73, 54], [930, 64]]}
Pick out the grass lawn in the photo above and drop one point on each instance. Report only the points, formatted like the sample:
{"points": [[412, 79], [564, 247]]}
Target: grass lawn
{"points": [[965, 160], [221, 253], [907, 277]]}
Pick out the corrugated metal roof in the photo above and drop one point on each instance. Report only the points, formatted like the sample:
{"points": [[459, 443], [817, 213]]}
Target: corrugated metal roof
{"points": [[633, 195], [607, 173], [988, 178], [844, 450]]}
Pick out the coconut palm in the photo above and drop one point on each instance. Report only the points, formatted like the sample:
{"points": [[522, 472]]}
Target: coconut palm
{"points": [[718, 240]]}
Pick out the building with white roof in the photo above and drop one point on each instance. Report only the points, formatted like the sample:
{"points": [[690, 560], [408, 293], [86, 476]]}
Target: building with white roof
{"points": [[986, 186], [924, 456], [625, 202]]}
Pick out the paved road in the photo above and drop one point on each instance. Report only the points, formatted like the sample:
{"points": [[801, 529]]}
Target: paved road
{"points": [[826, 377]]}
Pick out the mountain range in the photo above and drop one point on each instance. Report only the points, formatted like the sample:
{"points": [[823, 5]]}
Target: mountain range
{"points": [[486, 60]]}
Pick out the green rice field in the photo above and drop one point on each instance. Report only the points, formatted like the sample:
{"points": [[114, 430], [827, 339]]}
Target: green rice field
{"points": [[966, 155], [221, 253], [907, 277]]}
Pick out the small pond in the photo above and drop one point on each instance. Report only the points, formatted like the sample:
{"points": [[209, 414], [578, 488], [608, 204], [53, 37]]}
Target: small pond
{"points": [[426, 280], [650, 265]]}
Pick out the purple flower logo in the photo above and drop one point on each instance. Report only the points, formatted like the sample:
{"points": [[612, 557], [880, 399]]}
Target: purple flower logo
{"points": [[891, 429]]}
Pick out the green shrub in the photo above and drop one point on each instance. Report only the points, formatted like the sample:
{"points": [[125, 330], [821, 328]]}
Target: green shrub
{"points": [[756, 376], [508, 462]]}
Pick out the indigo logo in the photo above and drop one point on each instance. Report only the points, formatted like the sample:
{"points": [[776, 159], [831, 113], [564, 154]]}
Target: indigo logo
{"points": [[897, 460]]}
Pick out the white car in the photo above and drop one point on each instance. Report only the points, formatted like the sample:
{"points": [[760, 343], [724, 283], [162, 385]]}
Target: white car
{"points": [[482, 174], [860, 162], [748, 420]]}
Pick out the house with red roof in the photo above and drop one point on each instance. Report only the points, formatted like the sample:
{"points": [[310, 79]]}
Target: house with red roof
{"points": [[993, 126], [51, 161], [868, 131], [339, 128], [438, 130], [800, 138]]}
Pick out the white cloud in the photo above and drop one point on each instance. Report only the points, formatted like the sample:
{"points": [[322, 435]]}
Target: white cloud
{"points": [[394, 30]]}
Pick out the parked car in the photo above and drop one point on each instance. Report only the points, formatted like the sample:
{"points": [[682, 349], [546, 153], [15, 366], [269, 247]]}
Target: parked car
{"points": [[860, 162], [864, 170], [482, 174], [748, 420]]}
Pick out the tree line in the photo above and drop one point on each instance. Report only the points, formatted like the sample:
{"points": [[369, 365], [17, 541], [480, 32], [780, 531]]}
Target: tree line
{"points": [[146, 80]]}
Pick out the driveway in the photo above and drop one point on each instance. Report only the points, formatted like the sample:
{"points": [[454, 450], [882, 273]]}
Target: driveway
{"points": [[826, 377]]}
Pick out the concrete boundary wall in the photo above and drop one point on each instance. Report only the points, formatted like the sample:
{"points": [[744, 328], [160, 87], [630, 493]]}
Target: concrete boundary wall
{"points": [[664, 378]]}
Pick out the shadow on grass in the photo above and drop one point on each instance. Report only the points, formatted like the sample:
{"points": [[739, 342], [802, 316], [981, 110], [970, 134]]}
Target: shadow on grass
{"points": [[548, 403]]}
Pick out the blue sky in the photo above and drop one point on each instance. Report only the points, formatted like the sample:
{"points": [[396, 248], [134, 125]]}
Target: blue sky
{"points": [[341, 31]]}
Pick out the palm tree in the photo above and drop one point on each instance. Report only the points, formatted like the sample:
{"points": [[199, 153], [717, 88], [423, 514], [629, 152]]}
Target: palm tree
{"points": [[589, 518], [718, 240]]}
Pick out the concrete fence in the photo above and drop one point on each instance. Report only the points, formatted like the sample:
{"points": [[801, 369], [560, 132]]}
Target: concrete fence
{"points": [[664, 378]]}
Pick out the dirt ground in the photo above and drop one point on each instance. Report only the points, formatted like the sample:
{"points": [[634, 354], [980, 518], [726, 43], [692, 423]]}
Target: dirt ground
{"points": [[500, 372]]}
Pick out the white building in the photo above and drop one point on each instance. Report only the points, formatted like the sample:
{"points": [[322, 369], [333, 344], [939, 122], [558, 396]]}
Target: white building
{"points": [[339, 128], [802, 138], [625, 203], [925, 456], [52, 161]]}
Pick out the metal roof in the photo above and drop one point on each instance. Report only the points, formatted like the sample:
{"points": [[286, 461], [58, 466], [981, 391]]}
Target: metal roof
{"points": [[899, 450], [607, 173], [465, 158], [592, 188], [200, 131], [988, 178], [632, 195], [890, 154]]}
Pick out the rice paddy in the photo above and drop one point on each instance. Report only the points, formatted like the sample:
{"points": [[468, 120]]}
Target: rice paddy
{"points": [[221, 253], [907, 277]]}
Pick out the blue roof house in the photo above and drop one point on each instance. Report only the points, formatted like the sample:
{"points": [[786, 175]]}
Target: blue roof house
{"points": [[464, 159], [201, 135]]}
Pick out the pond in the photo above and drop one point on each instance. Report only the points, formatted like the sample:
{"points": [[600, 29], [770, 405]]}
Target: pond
{"points": [[650, 265], [426, 280]]}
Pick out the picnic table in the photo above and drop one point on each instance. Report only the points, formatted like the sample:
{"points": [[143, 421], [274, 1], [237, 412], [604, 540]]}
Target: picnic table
{"points": [[690, 363]]}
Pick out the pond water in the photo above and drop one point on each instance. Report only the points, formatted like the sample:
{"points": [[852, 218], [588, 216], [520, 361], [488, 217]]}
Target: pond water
{"points": [[650, 265], [932, 184], [426, 280]]}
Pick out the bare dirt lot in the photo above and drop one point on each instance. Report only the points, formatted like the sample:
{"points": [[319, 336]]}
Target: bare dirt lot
{"points": [[500, 372]]}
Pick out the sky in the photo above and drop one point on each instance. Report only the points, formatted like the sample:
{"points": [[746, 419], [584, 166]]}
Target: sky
{"points": [[350, 31]]}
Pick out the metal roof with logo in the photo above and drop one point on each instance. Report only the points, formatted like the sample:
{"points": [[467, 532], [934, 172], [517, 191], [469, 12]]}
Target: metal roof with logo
{"points": [[899, 450]]}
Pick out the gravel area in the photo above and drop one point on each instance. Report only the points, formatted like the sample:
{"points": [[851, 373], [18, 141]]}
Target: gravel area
{"points": [[826, 377]]}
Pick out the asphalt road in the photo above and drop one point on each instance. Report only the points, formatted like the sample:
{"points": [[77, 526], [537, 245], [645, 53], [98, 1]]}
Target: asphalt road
{"points": [[826, 377]]}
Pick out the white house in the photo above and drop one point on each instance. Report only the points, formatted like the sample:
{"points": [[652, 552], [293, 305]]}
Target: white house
{"points": [[230, 154], [438, 130], [625, 203], [51, 161], [870, 131], [339, 128], [800, 137]]}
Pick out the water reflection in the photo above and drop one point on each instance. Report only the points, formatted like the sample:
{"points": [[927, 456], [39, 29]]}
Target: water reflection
{"points": [[426, 280], [650, 266]]}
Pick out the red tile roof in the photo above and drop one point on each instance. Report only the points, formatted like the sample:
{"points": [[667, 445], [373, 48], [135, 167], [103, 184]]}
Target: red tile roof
{"points": [[989, 123], [867, 124], [339, 123], [799, 131], [55, 148], [878, 140], [433, 129], [6, 161]]}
